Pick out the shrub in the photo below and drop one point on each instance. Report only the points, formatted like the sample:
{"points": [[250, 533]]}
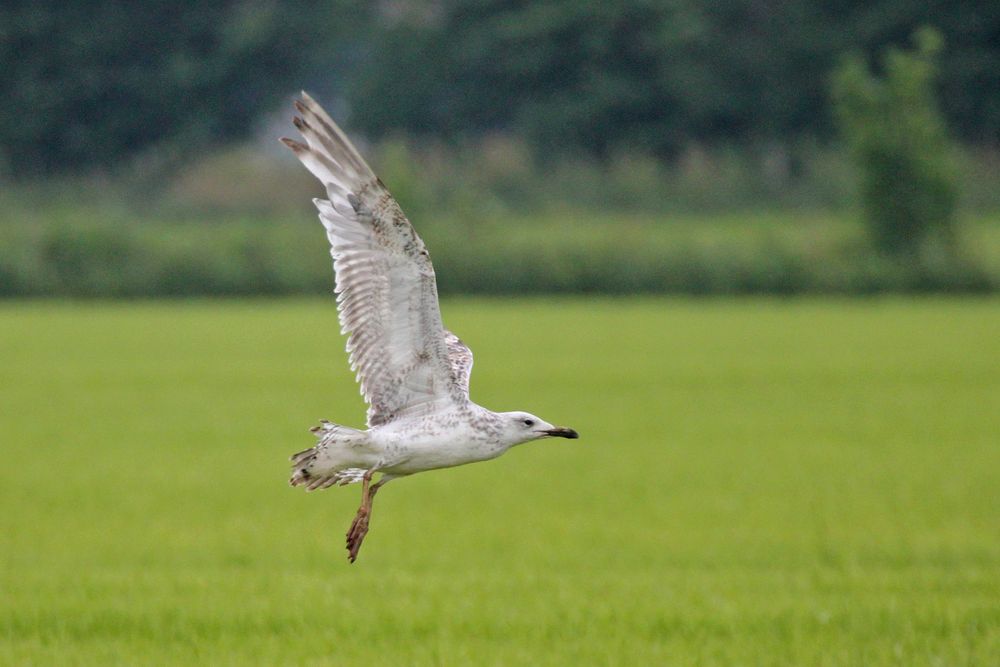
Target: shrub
{"points": [[900, 145]]}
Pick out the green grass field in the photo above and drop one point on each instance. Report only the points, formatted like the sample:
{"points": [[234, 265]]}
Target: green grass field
{"points": [[758, 482]]}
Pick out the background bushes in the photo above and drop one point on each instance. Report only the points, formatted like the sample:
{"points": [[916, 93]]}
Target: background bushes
{"points": [[900, 146], [788, 253]]}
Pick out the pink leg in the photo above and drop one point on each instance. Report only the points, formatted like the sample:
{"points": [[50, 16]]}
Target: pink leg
{"points": [[359, 527]]}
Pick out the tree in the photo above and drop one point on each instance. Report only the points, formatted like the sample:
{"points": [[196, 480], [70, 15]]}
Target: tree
{"points": [[594, 76], [84, 83], [900, 145], [603, 76]]}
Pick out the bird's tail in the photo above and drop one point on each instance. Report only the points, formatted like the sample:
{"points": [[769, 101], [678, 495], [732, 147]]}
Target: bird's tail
{"points": [[330, 461]]}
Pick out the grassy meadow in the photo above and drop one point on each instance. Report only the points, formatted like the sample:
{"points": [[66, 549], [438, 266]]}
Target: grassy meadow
{"points": [[758, 482]]}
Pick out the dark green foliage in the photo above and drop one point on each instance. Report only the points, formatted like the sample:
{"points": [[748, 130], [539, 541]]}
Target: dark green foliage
{"points": [[901, 146], [85, 83], [602, 77], [589, 76]]}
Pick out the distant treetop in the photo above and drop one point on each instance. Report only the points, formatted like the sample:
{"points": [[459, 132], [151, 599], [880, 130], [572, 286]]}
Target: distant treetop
{"points": [[85, 84]]}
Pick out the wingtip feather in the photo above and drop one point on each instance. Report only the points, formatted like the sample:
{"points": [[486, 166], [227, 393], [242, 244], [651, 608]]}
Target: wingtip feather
{"points": [[294, 145]]}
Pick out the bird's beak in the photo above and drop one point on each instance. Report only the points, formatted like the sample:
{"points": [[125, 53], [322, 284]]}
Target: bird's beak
{"points": [[562, 433]]}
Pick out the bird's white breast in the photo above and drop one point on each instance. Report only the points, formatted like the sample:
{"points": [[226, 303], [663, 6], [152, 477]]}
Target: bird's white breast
{"points": [[443, 440]]}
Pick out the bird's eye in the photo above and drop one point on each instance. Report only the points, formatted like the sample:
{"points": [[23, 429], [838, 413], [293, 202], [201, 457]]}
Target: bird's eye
{"points": [[529, 422]]}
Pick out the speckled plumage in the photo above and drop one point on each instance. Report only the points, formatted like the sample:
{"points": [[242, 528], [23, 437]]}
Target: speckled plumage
{"points": [[413, 373]]}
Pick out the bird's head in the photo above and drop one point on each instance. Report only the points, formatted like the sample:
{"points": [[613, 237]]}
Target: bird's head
{"points": [[521, 427]]}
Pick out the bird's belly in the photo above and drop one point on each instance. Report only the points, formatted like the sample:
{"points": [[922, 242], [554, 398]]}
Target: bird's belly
{"points": [[406, 458]]}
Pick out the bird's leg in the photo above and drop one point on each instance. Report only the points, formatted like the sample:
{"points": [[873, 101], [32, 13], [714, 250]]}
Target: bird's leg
{"points": [[359, 527]]}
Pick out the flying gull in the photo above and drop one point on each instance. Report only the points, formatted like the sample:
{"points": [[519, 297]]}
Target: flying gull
{"points": [[414, 373]]}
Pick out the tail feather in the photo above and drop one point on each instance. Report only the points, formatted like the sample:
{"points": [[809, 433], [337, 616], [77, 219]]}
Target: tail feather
{"points": [[332, 461]]}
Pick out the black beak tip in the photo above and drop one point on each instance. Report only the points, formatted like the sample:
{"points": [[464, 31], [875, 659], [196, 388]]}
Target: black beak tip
{"points": [[564, 433]]}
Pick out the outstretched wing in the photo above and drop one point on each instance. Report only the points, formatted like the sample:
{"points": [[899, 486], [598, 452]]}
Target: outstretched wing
{"points": [[386, 293]]}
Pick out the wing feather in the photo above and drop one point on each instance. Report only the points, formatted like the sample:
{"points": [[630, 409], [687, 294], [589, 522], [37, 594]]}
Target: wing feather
{"points": [[406, 362], [460, 357]]}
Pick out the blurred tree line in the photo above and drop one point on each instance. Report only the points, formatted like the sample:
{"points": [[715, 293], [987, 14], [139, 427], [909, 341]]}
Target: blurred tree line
{"points": [[85, 83], [598, 76]]}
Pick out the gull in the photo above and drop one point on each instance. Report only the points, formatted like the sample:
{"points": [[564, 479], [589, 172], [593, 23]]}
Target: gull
{"points": [[414, 373]]}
